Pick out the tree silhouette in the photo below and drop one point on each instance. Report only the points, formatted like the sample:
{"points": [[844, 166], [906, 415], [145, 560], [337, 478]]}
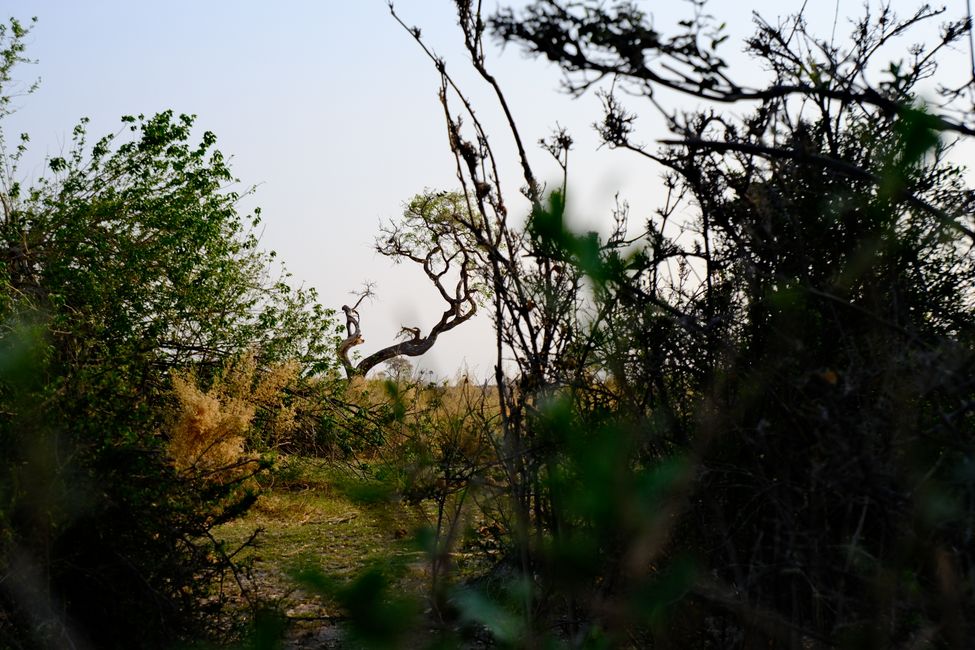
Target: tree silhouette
{"points": [[783, 391]]}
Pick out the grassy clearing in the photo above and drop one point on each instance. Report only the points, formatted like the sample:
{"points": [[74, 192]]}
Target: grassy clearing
{"points": [[320, 519], [310, 521]]}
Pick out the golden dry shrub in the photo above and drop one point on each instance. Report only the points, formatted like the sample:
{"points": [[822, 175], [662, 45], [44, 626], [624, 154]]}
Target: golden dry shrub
{"points": [[264, 389], [268, 393], [209, 433], [211, 427]]}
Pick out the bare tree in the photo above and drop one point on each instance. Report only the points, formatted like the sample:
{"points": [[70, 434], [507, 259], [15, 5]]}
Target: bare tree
{"points": [[428, 236]]}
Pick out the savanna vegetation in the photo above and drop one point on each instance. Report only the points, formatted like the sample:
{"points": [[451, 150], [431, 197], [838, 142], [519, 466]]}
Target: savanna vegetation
{"points": [[745, 421]]}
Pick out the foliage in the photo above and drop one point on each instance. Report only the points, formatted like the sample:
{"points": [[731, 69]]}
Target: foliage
{"points": [[751, 430], [128, 260], [750, 424], [442, 449], [96, 233]]}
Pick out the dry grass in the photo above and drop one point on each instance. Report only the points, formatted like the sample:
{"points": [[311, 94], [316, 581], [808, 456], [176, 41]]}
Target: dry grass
{"points": [[210, 432], [211, 426]]}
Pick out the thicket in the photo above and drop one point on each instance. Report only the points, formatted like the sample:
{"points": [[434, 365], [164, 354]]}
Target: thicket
{"points": [[748, 421], [148, 356]]}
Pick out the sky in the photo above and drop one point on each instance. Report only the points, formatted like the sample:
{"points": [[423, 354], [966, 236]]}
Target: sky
{"points": [[330, 110]]}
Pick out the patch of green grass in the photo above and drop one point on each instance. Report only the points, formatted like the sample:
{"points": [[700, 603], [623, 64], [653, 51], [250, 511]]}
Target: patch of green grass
{"points": [[314, 519], [325, 529]]}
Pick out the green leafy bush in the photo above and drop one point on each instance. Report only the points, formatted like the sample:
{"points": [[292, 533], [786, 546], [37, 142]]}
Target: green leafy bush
{"points": [[127, 261]]}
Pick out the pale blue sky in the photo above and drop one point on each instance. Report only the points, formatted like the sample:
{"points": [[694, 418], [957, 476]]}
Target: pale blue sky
{"points": [[331, 109]]}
